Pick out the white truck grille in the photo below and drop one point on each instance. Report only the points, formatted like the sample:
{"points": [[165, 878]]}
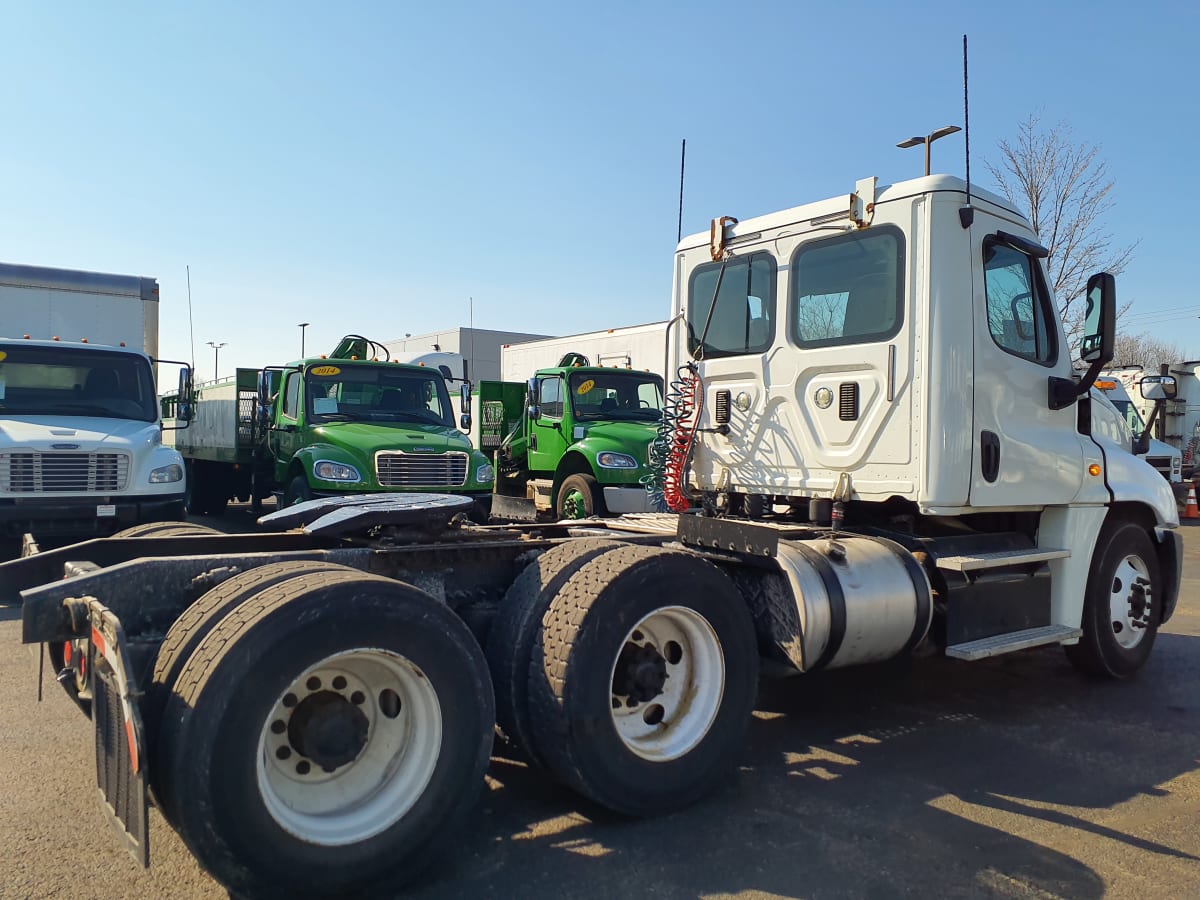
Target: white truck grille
{"points": [[396, 469], [63, 473]]}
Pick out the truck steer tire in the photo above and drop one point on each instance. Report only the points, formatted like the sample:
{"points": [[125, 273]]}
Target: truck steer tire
{"points": [[1122, 606], [297, 491], [578, 498], [190, 628], [327, 736], [642, 679], [514, 629], [165, 529]]}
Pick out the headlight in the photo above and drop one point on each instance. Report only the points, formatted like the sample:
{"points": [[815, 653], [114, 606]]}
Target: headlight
{"points": [[485, 474], [326, 470], [616, 461], [166, 474]]}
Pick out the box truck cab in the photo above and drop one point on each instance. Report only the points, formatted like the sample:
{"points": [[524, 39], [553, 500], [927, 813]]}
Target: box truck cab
{"points": [[81, 447], [580, 443], [337, 426]]}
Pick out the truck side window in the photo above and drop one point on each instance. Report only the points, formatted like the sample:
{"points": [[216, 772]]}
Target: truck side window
{"points": [[848, 289], [550, 397], [1018, 304], [744, 318], [291, 396]]}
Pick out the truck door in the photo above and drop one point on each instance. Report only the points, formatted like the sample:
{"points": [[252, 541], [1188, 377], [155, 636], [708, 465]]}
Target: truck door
{"points": [[1024, 453], [285, 435], [547, 434]]}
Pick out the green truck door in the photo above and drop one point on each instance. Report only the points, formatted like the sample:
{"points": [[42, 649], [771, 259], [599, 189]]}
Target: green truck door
{"points": [[286, 437], [548, 430]]}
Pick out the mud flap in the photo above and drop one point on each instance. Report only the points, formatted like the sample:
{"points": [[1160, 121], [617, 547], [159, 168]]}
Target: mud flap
{"points": [[120, 739]]}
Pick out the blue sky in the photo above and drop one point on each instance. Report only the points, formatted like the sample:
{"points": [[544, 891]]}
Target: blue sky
{"points": [[369, 167]]}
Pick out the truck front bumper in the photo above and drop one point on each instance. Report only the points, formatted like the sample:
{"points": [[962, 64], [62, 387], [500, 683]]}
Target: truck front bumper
{"points": [[627, 499], [71, 516]]}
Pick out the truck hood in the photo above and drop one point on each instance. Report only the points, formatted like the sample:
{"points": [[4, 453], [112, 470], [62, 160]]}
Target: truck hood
{"points": [[367, 438], [87, 434], [625, 437]]}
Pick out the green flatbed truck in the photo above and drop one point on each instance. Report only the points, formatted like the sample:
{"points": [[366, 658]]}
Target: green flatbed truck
{"points": [[572, 442], [320, 427]]}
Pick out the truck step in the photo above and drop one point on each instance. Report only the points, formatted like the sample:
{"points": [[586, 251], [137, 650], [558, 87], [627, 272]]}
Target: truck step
{"points": [[975, 561], [1016, 640]]}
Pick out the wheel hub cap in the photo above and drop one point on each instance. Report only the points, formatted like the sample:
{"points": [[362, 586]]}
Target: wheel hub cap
{"points": [[641, 673], [328, 729], [1130, 602]]}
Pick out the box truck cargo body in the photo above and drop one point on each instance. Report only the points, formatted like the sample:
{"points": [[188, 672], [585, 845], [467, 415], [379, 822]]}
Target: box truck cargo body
{"points": [[80, 433]]}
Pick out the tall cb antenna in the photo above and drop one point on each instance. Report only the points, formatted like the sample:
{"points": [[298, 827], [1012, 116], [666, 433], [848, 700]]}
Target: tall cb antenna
{"points": [[191, 329], [682, 160], [966, 215]]}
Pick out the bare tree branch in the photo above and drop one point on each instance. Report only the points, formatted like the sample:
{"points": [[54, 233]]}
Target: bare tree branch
{"points": [[1066, 190]]}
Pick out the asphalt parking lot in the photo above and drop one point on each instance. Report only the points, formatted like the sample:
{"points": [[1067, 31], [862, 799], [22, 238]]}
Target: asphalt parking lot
{"points": [[1012, 777]]}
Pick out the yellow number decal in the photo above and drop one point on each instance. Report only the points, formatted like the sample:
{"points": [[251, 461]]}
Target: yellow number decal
{"points": [[585, 387], [324, 370]]}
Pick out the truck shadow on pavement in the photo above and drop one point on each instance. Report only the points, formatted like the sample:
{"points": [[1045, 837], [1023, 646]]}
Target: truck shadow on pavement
{"points": [[990, 778]]}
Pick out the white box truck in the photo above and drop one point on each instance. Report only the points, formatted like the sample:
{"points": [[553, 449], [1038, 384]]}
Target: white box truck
{"points": [[81, 448]]}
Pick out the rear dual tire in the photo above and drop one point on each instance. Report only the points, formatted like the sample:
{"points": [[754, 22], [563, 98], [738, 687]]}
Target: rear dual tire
{"points": [[326, 736], [642, 679]]}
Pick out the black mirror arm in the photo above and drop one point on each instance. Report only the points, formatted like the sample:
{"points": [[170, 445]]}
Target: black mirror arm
{"points": [[1062, 392]]}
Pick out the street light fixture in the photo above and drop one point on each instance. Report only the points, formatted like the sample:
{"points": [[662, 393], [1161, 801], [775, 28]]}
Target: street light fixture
{"points": [[927, 140], [216, 355], [302, 326]]}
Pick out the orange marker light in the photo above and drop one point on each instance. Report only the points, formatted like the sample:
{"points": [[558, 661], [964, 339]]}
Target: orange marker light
{"points": [[1094, 469]]}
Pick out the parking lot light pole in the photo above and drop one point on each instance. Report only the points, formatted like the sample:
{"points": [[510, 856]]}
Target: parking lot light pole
{"points": [[216, 355], [928, 140]]}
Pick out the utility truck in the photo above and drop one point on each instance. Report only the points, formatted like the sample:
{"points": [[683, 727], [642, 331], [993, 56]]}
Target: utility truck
{"points": [[1166, 460], [81, 447], [878, 424], [572, 442], [330, 426]]}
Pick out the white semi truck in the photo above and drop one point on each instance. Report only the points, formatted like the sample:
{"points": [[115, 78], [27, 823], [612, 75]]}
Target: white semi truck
{"points": [[877, 423], [81, 448]]}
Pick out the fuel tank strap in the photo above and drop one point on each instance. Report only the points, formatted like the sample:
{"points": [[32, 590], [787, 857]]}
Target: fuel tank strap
{"points": [[924, 593]]}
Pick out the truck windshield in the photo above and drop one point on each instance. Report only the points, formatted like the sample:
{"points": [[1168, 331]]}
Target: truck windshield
{"points": [[616, 395], [75, 381], [1133, 418], [377, 393]]}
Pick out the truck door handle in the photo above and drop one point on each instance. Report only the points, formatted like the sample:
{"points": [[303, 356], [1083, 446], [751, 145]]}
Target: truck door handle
{"points": [[989, 455]]}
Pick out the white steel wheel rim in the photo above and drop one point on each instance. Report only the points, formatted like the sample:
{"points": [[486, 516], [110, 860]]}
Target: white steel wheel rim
{"points": [[670, 724], [368, 794], [1129, 602]]}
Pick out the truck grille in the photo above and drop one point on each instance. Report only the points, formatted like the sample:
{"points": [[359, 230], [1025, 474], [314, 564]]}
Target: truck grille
{"points": [[62, 473], [396, 469], [1162, 463]]}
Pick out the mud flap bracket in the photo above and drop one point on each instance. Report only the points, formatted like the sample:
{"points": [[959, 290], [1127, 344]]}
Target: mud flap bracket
{"points": [[120, 735]]}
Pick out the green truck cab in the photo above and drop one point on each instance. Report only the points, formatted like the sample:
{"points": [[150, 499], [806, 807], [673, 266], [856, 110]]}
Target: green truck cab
{"points": [[575, 442], [320, 427]]}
